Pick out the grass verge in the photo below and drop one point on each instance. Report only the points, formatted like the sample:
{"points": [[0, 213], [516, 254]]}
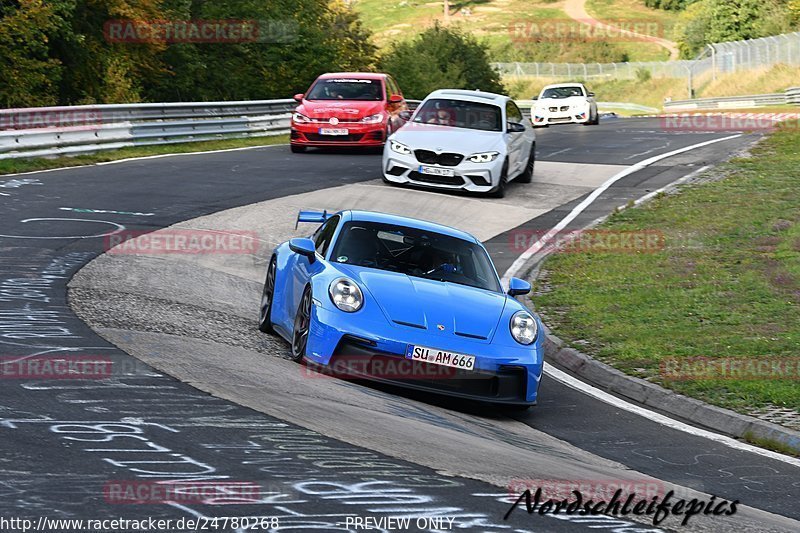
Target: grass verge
{"points": [[725, 285], [770, 444], [496, 23], [14, 166]]}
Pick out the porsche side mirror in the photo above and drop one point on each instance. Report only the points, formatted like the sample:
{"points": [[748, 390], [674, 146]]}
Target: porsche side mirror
{"points": [[405, 115], [298, 97], [303, 246], [518, 287], [515, 127], [590, 94], [395, 99]]}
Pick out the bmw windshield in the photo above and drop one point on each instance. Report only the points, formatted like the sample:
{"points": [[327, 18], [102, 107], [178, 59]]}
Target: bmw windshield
{"points": [[562, 92], [460, 114], [415, 252]]}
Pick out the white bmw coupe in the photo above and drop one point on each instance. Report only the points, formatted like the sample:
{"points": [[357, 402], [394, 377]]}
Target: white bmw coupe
{"points": [[565, 103], [457, 139]]}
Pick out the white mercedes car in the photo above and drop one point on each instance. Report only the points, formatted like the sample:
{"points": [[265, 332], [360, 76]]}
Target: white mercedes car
{"points": [[564, 103], [469, 140]]}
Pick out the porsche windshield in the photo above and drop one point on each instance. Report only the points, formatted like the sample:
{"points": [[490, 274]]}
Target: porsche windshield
{"points": [[460, 114], [415, 252], [346, 89]]}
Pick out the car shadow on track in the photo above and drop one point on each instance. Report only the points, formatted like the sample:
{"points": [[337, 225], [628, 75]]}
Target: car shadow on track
{"points": [[475, 408]]}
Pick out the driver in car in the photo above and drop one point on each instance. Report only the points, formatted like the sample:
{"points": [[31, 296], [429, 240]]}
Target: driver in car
{"points": [[442, 116]]}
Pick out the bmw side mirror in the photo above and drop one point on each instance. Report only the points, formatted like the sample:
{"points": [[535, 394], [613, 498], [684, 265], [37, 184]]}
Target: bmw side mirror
{"points": [[405, 115], [518, 287], [395, 99], [299, 97], [515, 127], [303, 246], [590, 94]]}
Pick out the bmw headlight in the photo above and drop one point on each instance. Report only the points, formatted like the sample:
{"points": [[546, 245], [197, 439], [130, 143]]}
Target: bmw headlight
{"points": [[300, 118], [377, 118], [399, 148], [346, 295], [484, 157], [523, 327]]}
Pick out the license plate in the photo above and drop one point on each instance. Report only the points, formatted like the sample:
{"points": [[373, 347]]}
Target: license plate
{"points": [[333, 131], [435, 356], [436, 171]]}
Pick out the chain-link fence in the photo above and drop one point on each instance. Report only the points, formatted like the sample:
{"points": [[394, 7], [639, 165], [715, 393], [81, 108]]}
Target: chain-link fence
{"points": [[666, 69], [756, 53], [716, 58]]}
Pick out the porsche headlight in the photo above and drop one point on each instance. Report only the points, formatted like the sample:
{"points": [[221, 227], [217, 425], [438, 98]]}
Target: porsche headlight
{"points": [[484, 157], [346, 295], [523, 327], [300, 118], [377, 118], [399, 148]]}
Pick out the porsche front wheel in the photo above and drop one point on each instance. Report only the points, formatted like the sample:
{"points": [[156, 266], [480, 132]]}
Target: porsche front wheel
{"points": [[267, 295], [302, 324]]}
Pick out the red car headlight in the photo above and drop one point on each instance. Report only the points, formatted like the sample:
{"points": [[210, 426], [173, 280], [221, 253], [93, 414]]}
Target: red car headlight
{"points": [[299, 118], [377, 118]]}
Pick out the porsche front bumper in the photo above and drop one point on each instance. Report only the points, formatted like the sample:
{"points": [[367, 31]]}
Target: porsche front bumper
{"points": [[356, 346]]}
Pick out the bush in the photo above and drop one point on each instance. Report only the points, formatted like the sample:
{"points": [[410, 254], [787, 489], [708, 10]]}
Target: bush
{"points": [[441, 58], [643, 75]]}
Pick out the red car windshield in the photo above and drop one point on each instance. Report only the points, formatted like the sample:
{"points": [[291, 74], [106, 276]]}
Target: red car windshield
{"points": [[346, 89]]}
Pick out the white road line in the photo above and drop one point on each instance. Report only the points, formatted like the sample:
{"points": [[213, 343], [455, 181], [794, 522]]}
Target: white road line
{"points": [[538, 245], [603, 396], [159, 156], [610, 399]]}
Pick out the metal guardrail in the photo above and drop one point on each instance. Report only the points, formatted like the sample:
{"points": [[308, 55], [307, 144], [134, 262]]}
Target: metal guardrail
{"points": [[54, 131], [791, 96], [60, 131]]}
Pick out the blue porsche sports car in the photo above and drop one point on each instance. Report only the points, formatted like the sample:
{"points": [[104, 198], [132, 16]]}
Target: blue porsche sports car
{"points": [[404, 301]]}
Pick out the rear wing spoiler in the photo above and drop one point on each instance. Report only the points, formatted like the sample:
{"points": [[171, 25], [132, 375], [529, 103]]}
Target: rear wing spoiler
{"points": [[312, 216]]}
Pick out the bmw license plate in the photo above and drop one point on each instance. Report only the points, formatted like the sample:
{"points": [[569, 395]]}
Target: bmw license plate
{"points": [[435, 356], [436, 171], [333, 131]]}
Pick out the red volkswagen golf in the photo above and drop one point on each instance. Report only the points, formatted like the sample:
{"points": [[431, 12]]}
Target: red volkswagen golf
{"points": [[347, 109]]}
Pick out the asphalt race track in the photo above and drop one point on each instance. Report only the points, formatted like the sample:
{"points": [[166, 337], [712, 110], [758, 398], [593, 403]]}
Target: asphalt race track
{"points": [[236, 410]]}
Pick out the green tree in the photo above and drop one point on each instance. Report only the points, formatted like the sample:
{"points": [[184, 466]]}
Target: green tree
{"points": [[28, 75], [441, 57], [96, 69], [715, 21], [298, 40]]}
